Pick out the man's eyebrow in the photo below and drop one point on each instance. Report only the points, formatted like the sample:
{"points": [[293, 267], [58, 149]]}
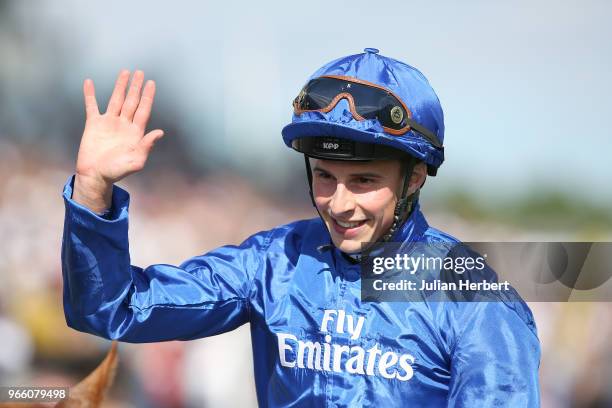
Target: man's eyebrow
{"points": [[364, 174], [368, 175]]}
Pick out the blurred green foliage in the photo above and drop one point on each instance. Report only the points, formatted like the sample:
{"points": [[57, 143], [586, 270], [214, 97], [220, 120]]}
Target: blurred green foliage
{"points": [[547, 210]]}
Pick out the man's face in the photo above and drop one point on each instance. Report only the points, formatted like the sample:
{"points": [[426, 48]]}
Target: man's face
{"points": [[356, 199]]}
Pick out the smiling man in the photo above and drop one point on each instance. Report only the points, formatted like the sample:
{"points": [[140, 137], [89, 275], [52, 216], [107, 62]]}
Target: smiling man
{"points": [[371, 130], [357, 200]]}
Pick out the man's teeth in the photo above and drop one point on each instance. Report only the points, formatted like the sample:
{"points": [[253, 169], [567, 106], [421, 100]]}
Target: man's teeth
{"points": [[348, 224]]}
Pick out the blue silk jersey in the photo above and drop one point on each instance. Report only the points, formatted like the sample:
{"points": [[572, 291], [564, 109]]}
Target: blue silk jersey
{"points": [[315, 343]]}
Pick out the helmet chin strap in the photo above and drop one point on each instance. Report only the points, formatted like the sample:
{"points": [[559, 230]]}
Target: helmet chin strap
{"points": [[402, 211], [324, 247], [404, 205], [309, 175]]}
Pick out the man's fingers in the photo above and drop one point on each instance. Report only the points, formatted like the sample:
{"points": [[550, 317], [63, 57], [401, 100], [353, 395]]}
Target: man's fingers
{"points": [[133, 96], [91, 105], [141, 117], [149, 140], [116, 101]]}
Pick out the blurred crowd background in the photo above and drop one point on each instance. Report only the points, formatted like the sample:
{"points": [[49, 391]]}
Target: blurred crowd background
{"points": [[526, 91]]}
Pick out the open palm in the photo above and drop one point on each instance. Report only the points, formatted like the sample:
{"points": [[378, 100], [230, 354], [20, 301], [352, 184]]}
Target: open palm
{"points": [[114, 144]]}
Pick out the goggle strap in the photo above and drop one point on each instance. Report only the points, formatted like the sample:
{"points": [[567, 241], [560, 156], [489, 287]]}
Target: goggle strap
{"points": [[428, 134]]}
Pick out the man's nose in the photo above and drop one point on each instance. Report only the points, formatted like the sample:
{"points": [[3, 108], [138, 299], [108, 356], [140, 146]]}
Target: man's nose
{"points": [[342, 201]]}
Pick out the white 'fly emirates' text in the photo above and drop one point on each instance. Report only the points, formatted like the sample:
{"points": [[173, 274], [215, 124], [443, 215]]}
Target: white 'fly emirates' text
{"points": [[328, 356]]}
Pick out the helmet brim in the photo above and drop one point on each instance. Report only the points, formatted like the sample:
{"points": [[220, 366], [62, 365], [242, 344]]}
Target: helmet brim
{"points": [[351, 131]]}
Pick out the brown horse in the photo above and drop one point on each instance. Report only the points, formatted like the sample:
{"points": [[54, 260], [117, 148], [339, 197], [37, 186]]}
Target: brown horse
{"points": [[89, 393]]}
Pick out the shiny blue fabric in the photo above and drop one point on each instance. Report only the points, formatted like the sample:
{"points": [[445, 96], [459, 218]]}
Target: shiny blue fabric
{"points": [[315, 343], [402, 79]]}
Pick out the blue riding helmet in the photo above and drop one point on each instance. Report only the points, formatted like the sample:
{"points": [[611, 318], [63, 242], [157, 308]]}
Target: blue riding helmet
{"points": [[340, 122]]}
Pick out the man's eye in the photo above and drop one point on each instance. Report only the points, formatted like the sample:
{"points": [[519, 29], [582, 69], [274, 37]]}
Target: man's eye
{"points": [[322, 175], [365, 180]]}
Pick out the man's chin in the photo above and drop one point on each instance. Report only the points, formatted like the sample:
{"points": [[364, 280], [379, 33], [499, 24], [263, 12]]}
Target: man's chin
{"points": [[350, 246], [350, 250]]}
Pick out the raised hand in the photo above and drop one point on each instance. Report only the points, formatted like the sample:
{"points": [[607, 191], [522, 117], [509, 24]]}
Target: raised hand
{"points": [[114, 144]]}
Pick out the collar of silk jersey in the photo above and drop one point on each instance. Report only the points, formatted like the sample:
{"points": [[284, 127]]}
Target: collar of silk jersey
{"points": [[412, 230]]}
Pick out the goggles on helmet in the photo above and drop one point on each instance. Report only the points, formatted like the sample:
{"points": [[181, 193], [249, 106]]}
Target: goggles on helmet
{"points": [[366, 101]]}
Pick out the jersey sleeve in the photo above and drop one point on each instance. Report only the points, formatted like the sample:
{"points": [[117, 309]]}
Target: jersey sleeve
{"points": [[105, 295], [496, 357]]}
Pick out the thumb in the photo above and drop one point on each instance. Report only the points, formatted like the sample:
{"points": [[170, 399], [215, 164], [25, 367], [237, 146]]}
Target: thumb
{"points": [[149, 140]]}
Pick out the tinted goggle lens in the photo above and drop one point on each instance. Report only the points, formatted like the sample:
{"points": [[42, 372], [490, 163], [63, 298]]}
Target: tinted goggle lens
{"points": [[370, 102]]}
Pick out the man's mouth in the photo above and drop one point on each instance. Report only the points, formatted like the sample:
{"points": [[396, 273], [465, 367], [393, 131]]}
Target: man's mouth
{"points": [[349, 224], [348, 229]]}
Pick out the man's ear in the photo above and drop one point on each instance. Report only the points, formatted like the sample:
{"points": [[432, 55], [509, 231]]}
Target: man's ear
{"points": [[417, 179]]}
